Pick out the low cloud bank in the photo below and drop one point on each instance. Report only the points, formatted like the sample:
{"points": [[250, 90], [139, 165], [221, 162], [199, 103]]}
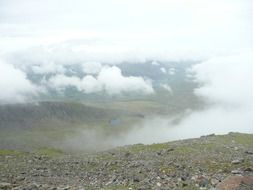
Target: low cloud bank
{"points": [[109, 79], [225, 83], [14, 85]]}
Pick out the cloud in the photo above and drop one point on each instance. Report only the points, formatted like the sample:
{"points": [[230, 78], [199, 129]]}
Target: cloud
{"points": [[172, 71], [214, 120], [14, 85], [91, 67], [226, 79], [176, 29], [163, 70], [226, 87], [133, 31], [115, 83], [47, 68], [109, 79], [87, 84], [166, 87]]}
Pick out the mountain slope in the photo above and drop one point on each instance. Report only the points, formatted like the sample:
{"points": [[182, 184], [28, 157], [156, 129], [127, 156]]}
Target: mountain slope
{"points": [[203, 163]]}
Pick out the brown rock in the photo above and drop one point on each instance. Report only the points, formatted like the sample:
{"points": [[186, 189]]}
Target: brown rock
{"points": [[234, 182]]}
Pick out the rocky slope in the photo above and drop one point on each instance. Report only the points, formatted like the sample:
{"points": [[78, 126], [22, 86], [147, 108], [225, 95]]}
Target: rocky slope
{"points": [[210, 162]]}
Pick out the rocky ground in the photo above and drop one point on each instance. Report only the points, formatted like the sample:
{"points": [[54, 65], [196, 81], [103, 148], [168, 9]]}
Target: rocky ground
{"points": [[210, 162]]}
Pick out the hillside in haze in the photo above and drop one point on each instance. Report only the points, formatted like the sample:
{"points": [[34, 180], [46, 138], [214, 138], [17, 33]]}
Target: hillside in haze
{"points": [[136, 94]]}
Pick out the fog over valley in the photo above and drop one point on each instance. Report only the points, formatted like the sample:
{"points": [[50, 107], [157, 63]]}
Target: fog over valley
{"points": [[94, 75]]}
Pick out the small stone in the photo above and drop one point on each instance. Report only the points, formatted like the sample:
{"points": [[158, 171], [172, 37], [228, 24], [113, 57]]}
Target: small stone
{"points": [[159, 153], [20, 178], [248, 170], [66, 188], [238, 161], [194, 178], [32, 186], [136, 179], [249, 152], [5, 186], [127, 154], [214, 182], [203, 182], [183, 178], [158, 184], [170, 149], [236, 172]]}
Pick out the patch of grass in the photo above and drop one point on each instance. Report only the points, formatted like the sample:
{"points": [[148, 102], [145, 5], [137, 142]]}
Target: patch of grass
{"points": [[115, 187], [137, 148], [50, 151], [148, 148], [157, 147], [216, 166], [4, 152], [168, 169], [237, 138], [184, 150]]}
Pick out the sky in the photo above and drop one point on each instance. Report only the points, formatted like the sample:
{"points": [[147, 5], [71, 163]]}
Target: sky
{"points": [[146, 27], [47, 35]]}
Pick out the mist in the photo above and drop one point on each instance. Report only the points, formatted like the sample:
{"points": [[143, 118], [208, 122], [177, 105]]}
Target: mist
{"points": [[224, 85], [77, 51]]}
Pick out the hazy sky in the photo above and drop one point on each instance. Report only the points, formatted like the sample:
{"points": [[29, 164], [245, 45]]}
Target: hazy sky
{"points": [[171, 27]]}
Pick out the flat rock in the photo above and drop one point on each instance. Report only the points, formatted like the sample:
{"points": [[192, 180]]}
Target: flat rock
{"points": [[234, 182], [237, 172], [237, 161]]}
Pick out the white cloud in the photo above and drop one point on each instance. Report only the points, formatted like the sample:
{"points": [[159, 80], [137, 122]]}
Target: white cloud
{"points": [[155, 63], [166, 87], [14, 85], [91, 67], [163, 70], [115, 83], [87, 84], [110, 79], [176, 29], [91, 84], [172, 71], [227, 79], [47, 68], [62, 81]]}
